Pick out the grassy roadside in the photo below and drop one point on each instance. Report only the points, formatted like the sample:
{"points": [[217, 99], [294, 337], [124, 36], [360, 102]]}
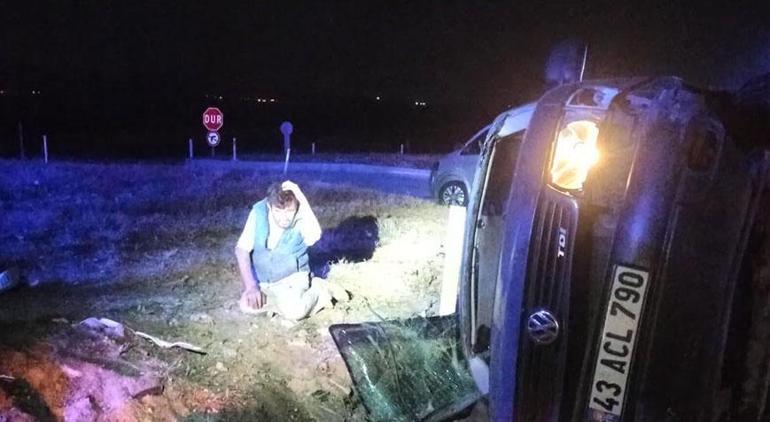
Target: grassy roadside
{"points": [[151, 246]]}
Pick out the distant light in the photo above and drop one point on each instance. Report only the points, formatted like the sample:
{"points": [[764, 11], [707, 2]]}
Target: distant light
{"points": [[378, 98], [2, 92], [220, 97], [272, 100]]}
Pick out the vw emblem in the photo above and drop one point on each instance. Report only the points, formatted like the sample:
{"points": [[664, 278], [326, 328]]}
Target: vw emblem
{"points": [[543, 328]]}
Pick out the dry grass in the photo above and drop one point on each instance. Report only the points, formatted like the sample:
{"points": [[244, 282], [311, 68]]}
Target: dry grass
{"points": [[151, 246]]}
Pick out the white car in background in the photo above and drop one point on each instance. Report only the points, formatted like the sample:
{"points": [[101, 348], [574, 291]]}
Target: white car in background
{"points": [[452, 176]]}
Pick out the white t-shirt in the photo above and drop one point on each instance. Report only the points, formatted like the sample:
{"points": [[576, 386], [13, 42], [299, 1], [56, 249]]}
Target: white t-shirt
{"points": [[246, 241]]}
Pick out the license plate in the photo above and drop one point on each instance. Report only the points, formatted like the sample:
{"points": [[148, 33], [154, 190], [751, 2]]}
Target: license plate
{"points": [[616, 349]]}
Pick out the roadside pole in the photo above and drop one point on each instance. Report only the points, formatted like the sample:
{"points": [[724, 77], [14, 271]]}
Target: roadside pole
{"points": [[189, 148], [235, 150], [45, 149], [286, 129], [21, 141]]}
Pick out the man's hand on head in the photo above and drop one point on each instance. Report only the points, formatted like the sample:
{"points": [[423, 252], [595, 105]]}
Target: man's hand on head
{"points": [[289, 185], [253, 297]]}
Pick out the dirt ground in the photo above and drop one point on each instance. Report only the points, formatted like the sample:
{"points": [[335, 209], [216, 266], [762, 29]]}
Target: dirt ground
{"points": [[151, 248]]}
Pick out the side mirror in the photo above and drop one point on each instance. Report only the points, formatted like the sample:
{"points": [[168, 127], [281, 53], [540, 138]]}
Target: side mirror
{"points": [[566, 63]]}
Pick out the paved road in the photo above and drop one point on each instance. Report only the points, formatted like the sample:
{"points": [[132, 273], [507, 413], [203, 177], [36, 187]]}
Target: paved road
{"points": [[404, 184], [398, 180]]}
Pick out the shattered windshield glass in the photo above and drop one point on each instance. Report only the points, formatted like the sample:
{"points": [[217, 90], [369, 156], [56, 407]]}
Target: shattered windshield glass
{"points": [[407, 370]]}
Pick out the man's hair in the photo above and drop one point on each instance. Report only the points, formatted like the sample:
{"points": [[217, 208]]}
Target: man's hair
{"points": [[279, 198]]}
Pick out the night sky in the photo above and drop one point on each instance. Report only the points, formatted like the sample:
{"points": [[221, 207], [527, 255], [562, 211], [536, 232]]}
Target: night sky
{"points": [[473, 55]]}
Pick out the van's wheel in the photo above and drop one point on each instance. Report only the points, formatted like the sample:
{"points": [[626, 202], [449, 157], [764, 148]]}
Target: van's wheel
{"points": [[453, 193]]}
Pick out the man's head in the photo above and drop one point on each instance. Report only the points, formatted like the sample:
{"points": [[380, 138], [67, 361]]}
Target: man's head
{"points": [[283, 205]]}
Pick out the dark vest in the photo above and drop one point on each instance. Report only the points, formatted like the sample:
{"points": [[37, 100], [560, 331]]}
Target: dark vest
{"points": [[288, 256]]}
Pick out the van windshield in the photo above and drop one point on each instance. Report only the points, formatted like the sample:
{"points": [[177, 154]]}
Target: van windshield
{"points": [[407, 370]]}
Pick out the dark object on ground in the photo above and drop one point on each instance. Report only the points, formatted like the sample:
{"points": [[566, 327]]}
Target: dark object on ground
{"points": [[353, 240], [9, 279], [27, 400]]}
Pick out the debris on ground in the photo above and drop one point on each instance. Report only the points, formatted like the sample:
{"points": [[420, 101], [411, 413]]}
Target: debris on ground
{"points": [[167, 345], [79, 373], [110, 328]]}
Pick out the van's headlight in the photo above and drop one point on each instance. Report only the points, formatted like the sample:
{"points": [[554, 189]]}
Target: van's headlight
{"points": [[574, 154]]}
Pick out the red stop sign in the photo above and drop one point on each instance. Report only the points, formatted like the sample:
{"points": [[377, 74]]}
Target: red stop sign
{"points": [[213, 119]]}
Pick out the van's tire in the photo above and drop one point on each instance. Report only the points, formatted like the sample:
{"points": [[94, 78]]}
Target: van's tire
{"points": [[453, 193]]}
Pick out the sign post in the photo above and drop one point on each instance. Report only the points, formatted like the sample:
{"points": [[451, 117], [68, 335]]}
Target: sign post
{"points": [[286, 128], [21, 141], [213, 140], [213, 119]]}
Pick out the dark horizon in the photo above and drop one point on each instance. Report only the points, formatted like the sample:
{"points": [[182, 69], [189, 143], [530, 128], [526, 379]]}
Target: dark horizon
{"points": [[147, 68]]}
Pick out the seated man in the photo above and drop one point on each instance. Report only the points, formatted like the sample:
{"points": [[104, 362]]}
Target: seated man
{"points": [[272, 255]]}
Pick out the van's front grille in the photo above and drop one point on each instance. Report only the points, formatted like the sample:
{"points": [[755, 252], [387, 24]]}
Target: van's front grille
{"points": [[541, 364]]}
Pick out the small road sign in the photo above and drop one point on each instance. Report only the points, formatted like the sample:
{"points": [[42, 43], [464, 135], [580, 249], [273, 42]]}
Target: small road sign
{"points": [[212, 139], [213, 119]]}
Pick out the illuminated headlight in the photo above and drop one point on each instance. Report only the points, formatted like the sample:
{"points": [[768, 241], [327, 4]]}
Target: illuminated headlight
{"points": [[575, 153]]}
